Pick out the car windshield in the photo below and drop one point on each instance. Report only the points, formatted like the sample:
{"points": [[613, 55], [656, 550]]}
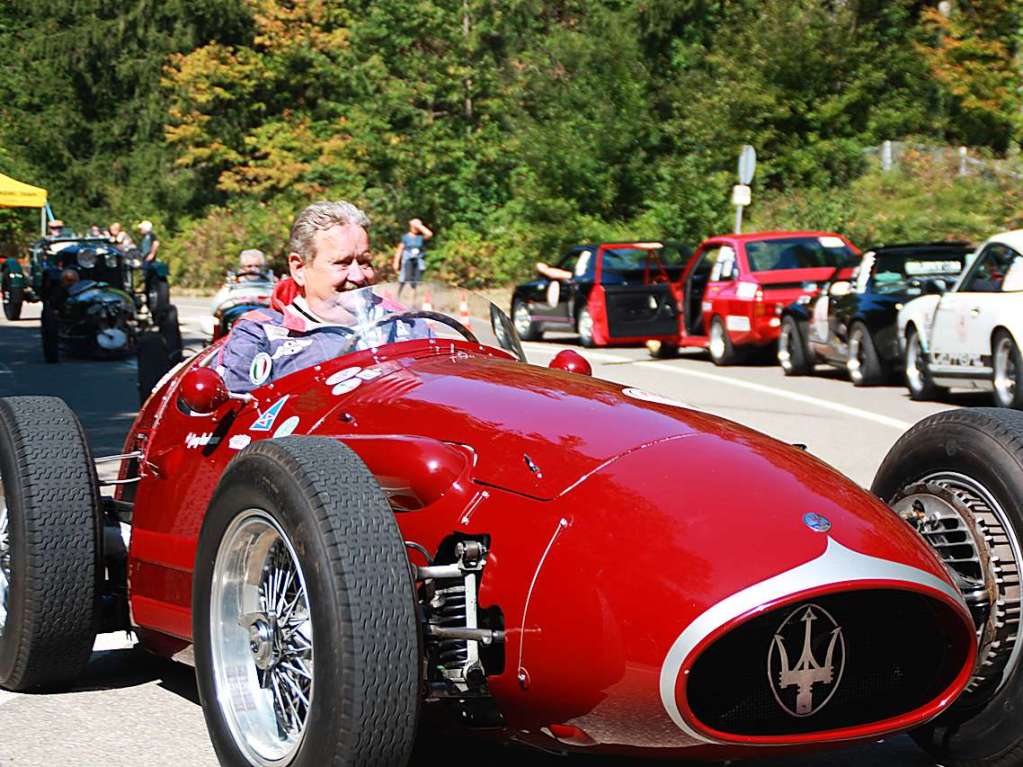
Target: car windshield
{"points": [[651, 255], [380, 317], [807, 252]]}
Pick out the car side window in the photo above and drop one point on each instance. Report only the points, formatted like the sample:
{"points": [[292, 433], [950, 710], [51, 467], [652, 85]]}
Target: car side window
{"points": [[707, 262], [579, 262], [989, 272]]}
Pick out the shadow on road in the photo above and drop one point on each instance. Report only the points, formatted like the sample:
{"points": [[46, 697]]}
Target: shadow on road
{"points": [[102, 393]]}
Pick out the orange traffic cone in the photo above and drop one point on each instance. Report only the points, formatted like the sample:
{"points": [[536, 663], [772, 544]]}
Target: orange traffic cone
{"points": [[463, 311]]}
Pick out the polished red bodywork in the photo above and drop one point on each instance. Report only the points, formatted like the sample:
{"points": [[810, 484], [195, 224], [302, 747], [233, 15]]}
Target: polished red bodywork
{"points": [[750, 307], [615, 521]]}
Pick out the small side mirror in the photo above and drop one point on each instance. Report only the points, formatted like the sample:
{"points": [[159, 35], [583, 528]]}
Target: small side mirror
{"points": [[840, 288], [203, 390], [571, 361]]}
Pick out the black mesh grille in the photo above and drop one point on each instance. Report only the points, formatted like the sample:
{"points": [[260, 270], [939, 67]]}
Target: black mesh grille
{"points": [[900, 651]]}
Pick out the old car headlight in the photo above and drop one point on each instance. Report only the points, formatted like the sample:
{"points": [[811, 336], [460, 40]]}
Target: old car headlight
{"points": [[87, 258]]}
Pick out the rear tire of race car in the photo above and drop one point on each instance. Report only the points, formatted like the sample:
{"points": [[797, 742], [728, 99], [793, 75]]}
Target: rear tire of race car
{"points": [[154, 360], [49, 329], [13, 299], [524, 326], [584, 327], [864, 364], [307, 513], [158, 298], [918, 377], [722, 352], [793, 356], [49, 545], [171, 332], [977, 454], [1007, 371]]}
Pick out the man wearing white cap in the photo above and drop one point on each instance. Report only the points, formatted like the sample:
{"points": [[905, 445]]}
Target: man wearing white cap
{"points": [[150, 244]]}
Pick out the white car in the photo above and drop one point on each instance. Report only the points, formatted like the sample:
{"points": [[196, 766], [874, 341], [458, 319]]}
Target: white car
{"points": [[971, 335]]}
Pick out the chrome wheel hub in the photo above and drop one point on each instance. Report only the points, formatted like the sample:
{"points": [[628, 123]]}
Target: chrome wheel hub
{"points": [[1005, 372], [585, 325], [717, 340], [5, 559], [915, 365], [970, 533], [784, 348], [261, 639], [521, 317], [855, 363]]}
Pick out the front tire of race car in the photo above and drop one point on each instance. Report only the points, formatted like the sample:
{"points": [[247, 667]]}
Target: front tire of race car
{"points": [[918, 376], [154, 360], [158, 298], [50, 331], [307, 645], [13, 299], [170, 329], [957, 478], [49, 545]]}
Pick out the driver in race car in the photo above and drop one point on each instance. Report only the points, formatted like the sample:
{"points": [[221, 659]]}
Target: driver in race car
{"points": [[312, 313]]}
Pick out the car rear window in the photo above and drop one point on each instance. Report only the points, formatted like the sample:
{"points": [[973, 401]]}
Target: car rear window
{"points": [[626, 260], [799, 253]]}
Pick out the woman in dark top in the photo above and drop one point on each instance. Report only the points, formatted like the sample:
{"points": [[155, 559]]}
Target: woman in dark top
{"points": [[409, 258]]}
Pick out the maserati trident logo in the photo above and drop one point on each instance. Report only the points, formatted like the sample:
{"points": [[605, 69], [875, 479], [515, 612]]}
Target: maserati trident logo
{"points": [[803, 688]]}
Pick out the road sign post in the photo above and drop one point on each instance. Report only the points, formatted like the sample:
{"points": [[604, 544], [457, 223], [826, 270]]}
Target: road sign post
{"points": [[742, 195]]}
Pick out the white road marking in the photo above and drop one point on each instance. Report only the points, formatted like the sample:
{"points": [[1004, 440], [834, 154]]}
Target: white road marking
{"points": [[807, 399]]}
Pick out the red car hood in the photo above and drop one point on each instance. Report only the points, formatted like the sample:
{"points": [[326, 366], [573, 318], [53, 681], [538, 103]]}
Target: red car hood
{"points": [[534, 431]]}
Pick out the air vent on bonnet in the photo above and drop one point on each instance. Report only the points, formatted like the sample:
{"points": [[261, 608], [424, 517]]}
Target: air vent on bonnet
{"points": [[894, 652]]}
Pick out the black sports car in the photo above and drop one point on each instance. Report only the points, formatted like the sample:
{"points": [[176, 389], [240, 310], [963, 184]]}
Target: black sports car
{"points": [[852, 325], [90, 306]]}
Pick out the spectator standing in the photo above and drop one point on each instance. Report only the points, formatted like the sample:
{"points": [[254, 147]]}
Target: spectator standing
{"points": [[120, 237], [150, 243], [410, 256]]}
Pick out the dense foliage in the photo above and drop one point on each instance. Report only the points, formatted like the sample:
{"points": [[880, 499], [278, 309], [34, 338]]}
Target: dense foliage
{"points": [[511, 127]]}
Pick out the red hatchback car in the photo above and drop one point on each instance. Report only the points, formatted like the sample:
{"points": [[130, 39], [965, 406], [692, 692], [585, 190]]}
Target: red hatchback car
{"points": [[735, 286]]}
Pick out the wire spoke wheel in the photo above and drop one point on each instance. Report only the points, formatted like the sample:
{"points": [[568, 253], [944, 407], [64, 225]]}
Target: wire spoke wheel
{"points": [[262, 639], [5, 558]]}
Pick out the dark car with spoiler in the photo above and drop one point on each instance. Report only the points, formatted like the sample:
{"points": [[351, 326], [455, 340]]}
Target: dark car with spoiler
{"points": [[851, 324], [609, 293]]}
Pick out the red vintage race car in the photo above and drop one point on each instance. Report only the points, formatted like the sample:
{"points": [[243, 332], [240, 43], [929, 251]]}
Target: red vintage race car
{"points": [[428, 532]]}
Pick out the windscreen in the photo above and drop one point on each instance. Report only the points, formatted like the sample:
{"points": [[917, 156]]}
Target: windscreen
{"points": [[388, 313], [799, 253], [907, 270]]}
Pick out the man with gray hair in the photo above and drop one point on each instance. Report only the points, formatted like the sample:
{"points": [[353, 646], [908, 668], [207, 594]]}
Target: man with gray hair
{"points": [[328, 257], [251, 265]]}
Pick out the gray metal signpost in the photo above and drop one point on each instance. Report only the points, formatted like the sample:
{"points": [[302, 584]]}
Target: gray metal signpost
{"points": [[742, 194]]}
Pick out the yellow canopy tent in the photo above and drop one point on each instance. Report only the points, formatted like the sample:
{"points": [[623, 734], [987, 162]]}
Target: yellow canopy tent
{"points": [[16, 194]]}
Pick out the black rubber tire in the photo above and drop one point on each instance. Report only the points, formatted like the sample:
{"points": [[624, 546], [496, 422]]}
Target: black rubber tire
{"points": [[793, 340], [583, 320], [530, 333], [1016, 398], [13, 299], [871, 370], [367, 676], [158, 298], [663, 350], [49, 330], [52, 499], [729, 355], [171, 332], [985, 444], [154, 360], [927, 390]]}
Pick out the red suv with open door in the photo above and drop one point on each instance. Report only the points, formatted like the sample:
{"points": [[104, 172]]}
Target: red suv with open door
{"points": [[735, 286]]}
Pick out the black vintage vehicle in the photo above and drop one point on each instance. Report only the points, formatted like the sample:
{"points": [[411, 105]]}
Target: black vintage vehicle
{"points": [[91, 304], [608, 293], [852, 325]]}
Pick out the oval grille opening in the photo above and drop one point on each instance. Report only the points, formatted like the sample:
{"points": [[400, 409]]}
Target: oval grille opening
{"points": [[831, 662]]}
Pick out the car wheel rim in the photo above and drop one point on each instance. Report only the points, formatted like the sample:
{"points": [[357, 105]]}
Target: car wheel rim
{"points": [[914, 365], [585, 325], [261, 639], [717, 340], [5, 559], [784, 352], [1005, 372], [855, 363], [970, 532], [521, 316]]}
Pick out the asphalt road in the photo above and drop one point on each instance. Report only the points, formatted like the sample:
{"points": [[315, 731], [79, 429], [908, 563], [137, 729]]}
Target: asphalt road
{"points": [[132, 708]]}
